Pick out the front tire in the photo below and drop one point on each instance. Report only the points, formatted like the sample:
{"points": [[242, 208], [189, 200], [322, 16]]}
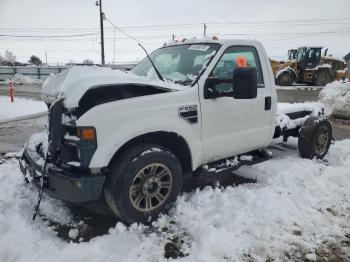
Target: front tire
{"points": [[285, 78], [143, 182]]}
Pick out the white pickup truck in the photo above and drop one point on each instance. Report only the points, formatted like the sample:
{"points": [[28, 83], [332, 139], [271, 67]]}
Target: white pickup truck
{"points": [[129, 138]]}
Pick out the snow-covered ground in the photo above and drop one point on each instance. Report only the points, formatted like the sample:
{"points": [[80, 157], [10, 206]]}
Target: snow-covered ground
{"points": [[336, 98], [20, 107], [20, 79], [289, 214]]}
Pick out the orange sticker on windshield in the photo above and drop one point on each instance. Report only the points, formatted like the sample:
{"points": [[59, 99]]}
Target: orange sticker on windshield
{"points": [[241, 61]]}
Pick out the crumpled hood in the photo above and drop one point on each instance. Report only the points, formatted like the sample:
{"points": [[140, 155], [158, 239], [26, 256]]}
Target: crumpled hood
{"points": [[73, 82]]}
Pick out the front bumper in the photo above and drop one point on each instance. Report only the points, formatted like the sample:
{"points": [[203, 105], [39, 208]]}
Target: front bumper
{"points": [[72, 186]]}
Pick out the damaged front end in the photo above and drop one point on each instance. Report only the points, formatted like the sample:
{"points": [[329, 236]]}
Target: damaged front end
{"points": [[67, 151]]}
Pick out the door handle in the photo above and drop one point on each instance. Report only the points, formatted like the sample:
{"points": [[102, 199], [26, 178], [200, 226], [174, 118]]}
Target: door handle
{"points": [[268, 103]]}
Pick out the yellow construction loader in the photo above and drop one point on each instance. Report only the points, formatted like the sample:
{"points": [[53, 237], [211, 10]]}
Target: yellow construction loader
{"points": [[307, 66]]}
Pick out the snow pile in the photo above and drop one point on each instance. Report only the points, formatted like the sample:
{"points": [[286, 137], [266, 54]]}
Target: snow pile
{"points": [[336, 99], [20, 107], [296, 206], [20, 79], [284, 121]]}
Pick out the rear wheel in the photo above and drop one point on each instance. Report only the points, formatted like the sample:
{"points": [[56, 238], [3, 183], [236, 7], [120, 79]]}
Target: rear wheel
{"points": [[315, 138], [285, 78], [145, 180], [323, 78]]}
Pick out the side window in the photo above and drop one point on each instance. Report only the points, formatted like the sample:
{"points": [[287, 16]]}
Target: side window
{"points": [[230, 60]]}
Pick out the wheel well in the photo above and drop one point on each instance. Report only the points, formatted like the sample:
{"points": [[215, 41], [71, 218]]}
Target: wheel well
{"points": [[172, 141]]}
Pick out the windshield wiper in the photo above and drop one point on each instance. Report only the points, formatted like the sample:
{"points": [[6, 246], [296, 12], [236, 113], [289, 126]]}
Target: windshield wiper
{"points": [[154, 66]]}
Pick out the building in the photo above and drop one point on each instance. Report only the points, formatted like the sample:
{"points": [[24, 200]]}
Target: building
{"points": [[347, 60]]}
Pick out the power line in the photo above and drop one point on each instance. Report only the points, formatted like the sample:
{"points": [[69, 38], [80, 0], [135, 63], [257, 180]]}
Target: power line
{"points": [[46, 36], [121, 31], [292, 21], [184, 25], [137, 38]]}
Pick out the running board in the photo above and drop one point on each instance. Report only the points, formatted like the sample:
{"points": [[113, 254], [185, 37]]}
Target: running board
{"points": [[233, 163]]}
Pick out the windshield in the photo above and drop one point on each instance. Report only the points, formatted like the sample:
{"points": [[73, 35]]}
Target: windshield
{"points": [[180, 63]]}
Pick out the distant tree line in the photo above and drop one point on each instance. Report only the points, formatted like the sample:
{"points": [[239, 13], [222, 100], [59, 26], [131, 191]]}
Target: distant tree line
{"points": [[9, 59]]}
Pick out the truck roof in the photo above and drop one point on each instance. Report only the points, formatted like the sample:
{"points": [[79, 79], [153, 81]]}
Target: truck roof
{"points": [[214, 41]]}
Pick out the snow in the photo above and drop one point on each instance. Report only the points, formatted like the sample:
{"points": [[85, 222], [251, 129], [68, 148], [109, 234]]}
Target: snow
{"points": [[311, 256], [336, 98], [224, 165], [72, 138], [35, 140], [19, 79], [153, 149], [246, 158], [299, 207], [73, 82], [73, 163], [334, 58], [10, 154], [73, 233], [20, 107], [299, 87], [323, 66], [286, 108], [283, 120]]}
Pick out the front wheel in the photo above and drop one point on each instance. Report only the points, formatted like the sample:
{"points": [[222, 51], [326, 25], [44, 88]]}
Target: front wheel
{"points": [[285, 78], [142, 184]]}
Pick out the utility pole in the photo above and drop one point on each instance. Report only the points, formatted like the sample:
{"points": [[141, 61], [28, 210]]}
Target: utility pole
{"points": [[99, 3], [46, 56], [204, 30], [173, 38], [113, 45]]}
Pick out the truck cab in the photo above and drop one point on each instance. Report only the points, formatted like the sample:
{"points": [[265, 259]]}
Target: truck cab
{"points": [[228, 124], [292, 54]]}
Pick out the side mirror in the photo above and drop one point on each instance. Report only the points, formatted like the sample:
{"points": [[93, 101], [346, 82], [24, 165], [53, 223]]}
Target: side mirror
{"points": [[245, 83]]}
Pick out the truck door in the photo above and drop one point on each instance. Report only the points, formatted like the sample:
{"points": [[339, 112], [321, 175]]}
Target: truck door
{"points": [[235, 126]]}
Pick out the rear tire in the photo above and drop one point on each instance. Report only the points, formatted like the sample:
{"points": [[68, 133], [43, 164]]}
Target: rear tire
{"points": [[143, 182], [323, 78], [285, 78], [315, 138]]}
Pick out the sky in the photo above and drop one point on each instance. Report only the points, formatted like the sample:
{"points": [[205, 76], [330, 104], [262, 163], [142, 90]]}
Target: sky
{"points": [[279, 25]]}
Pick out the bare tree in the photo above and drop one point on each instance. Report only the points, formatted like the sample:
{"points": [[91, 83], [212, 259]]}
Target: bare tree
{"points": [[9, 57]]}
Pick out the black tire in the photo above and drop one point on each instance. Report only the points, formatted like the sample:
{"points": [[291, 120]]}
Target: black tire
{"points": [[322, 78], [134, 176], [315, 138], [285, 78]]}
